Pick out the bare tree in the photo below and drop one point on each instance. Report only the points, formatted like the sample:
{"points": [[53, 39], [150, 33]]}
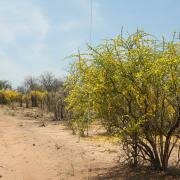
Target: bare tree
{"points": [[31, 84], [5, 84], [49, 82]]}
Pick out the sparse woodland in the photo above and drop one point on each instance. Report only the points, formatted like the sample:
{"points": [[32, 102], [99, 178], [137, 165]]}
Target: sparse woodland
{"points": [[45, 92], [129, 84]]}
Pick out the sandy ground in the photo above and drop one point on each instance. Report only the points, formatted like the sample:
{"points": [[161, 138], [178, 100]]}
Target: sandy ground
{"points": [[31, 152]]}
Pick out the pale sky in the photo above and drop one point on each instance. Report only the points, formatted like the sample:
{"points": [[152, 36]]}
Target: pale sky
{"points": [[36, 35]]}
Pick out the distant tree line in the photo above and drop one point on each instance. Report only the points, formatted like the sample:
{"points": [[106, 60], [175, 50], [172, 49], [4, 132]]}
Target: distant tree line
{"points": [[46, 92]]}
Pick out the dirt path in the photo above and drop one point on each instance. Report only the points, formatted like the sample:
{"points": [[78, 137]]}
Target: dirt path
{"points": [[30, 152]]}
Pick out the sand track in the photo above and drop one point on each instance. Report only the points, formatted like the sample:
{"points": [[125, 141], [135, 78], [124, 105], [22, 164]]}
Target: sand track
{"points": [[30, 152]]}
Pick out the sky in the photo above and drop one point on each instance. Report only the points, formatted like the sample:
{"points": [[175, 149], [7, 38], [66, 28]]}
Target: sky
{"points": [[37, 36]]}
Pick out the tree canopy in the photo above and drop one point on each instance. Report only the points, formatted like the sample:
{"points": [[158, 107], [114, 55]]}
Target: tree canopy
{"points": [[131, 84]]}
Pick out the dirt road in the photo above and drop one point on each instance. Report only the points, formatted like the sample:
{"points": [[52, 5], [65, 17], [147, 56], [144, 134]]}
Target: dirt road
{"points": [[30, 152]]}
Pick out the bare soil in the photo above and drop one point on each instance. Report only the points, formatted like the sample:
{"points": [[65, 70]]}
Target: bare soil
{"points": [[31, 151]]}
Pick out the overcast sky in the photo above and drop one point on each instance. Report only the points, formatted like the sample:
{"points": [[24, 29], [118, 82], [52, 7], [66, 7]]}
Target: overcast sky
{"points": [[36, 35]]}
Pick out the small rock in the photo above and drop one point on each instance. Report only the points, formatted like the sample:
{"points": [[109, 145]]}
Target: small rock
{"points": [[42, 125]]}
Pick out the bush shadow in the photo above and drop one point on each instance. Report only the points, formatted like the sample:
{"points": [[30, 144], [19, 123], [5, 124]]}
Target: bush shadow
{"points": [[141, 173]]}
